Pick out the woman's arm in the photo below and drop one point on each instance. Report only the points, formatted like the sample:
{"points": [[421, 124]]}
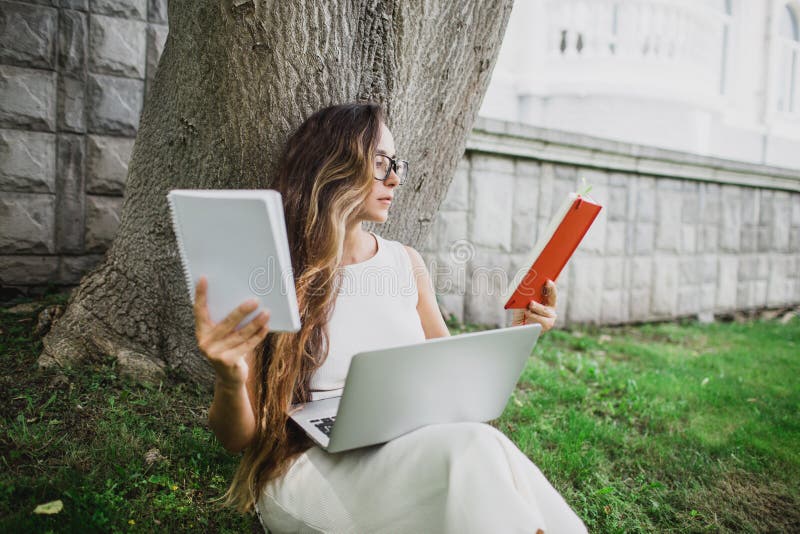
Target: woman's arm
{"points": [[232, 415], [231, 353], [429, 315]]}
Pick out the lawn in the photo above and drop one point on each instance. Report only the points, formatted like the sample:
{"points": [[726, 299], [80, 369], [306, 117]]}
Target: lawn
{"points": [[667, 427]]}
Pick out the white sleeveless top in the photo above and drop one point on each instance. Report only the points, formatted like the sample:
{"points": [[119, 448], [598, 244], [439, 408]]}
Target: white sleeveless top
{"points": [[376, 307]]}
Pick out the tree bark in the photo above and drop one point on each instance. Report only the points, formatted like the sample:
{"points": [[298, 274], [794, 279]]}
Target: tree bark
{"points": [[235, 78]]}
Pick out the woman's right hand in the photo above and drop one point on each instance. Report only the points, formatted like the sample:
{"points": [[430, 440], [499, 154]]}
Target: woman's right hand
{"points": [[225, 347]]}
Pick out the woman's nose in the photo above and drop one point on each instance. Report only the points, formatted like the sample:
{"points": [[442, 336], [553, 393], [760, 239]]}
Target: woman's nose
{"points": [[392, 180]]}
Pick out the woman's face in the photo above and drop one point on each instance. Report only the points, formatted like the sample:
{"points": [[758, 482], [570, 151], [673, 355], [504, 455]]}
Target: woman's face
{"points": [[376, 205]]}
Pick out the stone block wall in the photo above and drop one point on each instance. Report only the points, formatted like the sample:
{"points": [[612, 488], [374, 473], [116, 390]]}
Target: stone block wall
{"points": [[679, 235], [73, 77]]}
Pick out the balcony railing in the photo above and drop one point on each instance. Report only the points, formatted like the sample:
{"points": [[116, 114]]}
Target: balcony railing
{"points": [[646, 44]]}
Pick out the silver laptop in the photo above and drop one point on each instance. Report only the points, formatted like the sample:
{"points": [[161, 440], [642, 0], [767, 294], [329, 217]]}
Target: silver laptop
{"points": [[390, 392]]}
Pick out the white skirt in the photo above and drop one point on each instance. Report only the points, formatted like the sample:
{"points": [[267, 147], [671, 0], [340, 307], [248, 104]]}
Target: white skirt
{"points": [[461, 477]]}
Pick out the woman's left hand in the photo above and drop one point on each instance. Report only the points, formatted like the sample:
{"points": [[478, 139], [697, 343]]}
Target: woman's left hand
{"points": [[544, 314]]}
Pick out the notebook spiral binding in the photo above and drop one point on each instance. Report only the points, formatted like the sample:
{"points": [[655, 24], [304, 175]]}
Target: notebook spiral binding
{"points": [[181, 251]]}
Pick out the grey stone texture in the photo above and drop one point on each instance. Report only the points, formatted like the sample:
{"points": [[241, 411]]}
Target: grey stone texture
{"points": [[82, 5], [665, 286], [27, 270], [616, 234], [586, 283], [457, 197], [645, 207], [614, 278], [130, 9], [782, 214], [117, 46], [157, 11], [72, 43], [28, 221], [72, 268], [613, 309], [27, 35], [492, 192], [525, 217], [72, 79], [595, 239], [668, 213], [448, 229], [107, 164], [448, 271], [71, 105], [27, 98], [114, 105], [487, 278], [643, 238], [731, 227], [27, 161], [70, 193]]}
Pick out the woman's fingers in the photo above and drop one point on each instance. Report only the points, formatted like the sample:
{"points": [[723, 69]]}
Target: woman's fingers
{"points": [[546, 322], [543, 313], [235, 317], [201, 314], [518, 317], [550, 294], [237, 351], [243, 335], [207, 338], [526, 316], [540, 309], [539, 313], [225, 347]]}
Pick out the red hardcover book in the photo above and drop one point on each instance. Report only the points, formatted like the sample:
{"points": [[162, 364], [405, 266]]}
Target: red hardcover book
{"points": [[553, 249]]}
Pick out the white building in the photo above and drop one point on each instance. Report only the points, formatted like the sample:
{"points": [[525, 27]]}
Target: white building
{"points": [[711, 77]]}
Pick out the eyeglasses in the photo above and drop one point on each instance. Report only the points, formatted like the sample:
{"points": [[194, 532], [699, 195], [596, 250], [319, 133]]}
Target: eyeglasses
{"points": [[384, 165]]}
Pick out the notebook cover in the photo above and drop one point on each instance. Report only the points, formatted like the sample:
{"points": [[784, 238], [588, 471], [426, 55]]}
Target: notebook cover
{"points": [[237, 239], [556, 253]]}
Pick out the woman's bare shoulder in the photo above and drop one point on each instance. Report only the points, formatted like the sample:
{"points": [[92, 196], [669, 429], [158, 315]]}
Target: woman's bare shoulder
{"points": [[416, 257]]}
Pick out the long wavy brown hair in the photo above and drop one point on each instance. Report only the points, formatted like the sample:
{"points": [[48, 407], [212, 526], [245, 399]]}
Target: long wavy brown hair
{"points": [[324, 176]]}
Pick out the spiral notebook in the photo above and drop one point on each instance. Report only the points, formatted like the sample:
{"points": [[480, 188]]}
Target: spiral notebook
{"points": [[237, 239]]}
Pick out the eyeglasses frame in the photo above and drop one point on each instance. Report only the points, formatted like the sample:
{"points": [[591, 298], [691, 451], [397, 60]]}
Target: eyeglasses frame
{"points": [[393, 167]]}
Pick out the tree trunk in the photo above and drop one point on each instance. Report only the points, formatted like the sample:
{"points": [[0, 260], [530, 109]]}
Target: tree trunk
{"points": [[236, 77]]}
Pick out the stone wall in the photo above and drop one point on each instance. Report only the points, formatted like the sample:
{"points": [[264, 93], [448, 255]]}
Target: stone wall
{"points": [[73, 76], [679, 235]]}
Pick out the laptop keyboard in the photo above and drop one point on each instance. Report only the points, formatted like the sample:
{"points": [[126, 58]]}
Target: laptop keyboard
{"points": [[325, 424]]}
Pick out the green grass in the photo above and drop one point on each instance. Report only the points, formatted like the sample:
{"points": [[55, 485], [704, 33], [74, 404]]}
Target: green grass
{"points": [[668, 427], [84, 437]]}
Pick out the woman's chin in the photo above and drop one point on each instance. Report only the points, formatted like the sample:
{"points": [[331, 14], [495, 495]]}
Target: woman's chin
{"points": [[379, 216]]}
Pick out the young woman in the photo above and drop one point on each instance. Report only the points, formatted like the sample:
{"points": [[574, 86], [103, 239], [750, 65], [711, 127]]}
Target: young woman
{"points": [[356, 291]]}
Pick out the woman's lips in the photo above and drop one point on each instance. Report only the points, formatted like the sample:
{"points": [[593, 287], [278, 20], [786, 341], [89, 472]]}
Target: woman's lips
{"points": [[385, 201]]}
